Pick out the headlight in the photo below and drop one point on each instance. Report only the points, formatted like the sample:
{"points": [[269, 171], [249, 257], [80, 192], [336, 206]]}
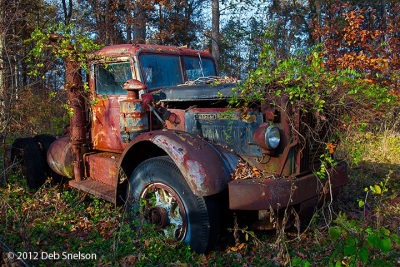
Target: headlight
{"points": [[267, 137], [272, 137]]}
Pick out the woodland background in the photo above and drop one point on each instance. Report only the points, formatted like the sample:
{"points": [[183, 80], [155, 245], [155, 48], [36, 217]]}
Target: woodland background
{"points": [[348, 52], [359, 35]]}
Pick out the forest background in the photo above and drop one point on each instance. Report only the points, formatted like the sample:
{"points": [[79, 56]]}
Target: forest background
{"points": [[355, 41]]}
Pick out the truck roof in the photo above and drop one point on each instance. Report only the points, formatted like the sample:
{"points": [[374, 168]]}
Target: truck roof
{"points": [[136, 49]]}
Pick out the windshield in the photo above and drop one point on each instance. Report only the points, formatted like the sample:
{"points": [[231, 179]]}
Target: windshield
{"points": [[197, 67], [110, 77], [165, 70], [161, 70]]}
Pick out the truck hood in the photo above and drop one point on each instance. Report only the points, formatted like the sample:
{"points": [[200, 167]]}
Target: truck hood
{"points": [[195, 92]]}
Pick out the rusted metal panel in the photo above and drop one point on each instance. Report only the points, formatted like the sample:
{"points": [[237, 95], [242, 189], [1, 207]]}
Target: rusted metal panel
{"points": [[259, 136], [61, 158], [96, 188], [133, 50], [103, 167], [254, 194], [272, 114], [106, 125], [181, 115], [199, 92], [228, 128], [235, 130], [206, 168], [286, 151], [134, 119]]}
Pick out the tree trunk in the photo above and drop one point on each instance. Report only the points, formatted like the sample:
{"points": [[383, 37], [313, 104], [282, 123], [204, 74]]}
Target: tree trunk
{"points": [[107, 22], [129, 19], [316, 11], [139, 25], [67, 11], [215, 32], [2, 70]]}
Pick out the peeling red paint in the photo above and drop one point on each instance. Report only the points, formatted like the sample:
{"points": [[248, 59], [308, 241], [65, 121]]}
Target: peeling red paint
{"points": [[254, 194], [105, 129], [200, 163]]}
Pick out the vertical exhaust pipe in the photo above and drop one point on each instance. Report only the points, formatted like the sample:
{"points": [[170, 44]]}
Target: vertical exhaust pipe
{"points": [[78, 122]]}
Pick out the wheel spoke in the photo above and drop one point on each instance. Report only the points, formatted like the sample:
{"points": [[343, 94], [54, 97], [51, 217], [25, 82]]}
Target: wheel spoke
{"points": [[159, 194], [166, 210]]}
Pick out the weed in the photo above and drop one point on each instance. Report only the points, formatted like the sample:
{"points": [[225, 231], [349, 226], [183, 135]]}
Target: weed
{"points": [[365, 233], [359, 245]]}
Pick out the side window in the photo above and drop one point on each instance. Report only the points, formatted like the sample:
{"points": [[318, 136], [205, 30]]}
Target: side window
{"points": [[197, 67], [110, 77], [161, 70]]}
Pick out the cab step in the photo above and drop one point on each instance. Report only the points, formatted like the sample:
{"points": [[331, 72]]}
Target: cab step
{"points": [[104, 191]]}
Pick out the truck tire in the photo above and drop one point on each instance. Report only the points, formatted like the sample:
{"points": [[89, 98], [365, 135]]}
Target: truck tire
{"points": [[26, 153], [44, 141], [158, 194]]}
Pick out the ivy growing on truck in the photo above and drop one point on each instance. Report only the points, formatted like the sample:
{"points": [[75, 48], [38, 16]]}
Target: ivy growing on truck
{"points": [[337, 99]]}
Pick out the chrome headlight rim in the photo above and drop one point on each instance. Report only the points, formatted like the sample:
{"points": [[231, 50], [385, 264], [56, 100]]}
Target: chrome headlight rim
{"points": [[272, 137]]}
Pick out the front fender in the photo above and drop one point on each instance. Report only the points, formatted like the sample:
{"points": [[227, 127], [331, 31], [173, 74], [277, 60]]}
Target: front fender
{"points": [[207, 168]]}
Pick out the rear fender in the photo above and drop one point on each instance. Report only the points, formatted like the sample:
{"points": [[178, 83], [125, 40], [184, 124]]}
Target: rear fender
{"points": [[207, 168]]}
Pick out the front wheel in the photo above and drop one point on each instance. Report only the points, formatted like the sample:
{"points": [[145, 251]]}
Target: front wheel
{"points": [[159, 194]]}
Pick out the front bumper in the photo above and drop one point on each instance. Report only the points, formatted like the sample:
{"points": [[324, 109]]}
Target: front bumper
{"points": [[256, 194]]}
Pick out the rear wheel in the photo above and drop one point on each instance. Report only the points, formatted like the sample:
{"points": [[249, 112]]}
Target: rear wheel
{"points": [[44, 141], [26, 153], [158, 194]]}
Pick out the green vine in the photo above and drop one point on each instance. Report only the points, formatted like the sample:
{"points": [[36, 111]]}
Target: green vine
{"points": [[309, 85], [335, 99], [60, 41]]}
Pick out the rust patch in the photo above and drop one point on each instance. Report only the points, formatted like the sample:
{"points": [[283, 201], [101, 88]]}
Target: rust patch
{"points": [[60, 157], [106, 125], [256, 194], [206, 168], [133, 119], [103, 167]]}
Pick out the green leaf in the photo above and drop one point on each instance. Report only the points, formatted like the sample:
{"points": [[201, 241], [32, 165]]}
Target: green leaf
{"points": [[385, 231], [396, 239], [385, 244], [377, 189], [380, 263], [296, 261], [349, 250], [373, 240], [361, 203], [363, 254], [335, 233]]}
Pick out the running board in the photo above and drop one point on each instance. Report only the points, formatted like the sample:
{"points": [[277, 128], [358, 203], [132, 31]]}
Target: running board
{"points": [[96, 188]]}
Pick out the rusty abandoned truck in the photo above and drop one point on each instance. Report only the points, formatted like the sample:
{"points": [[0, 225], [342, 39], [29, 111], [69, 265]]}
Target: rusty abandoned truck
{"points": [[157, 135]]}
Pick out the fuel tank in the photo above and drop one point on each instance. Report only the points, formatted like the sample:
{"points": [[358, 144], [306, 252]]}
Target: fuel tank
{"points": [[60, 157]]}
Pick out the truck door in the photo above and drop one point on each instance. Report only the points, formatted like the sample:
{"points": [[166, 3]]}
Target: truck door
{"points": [[107, 84]]}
